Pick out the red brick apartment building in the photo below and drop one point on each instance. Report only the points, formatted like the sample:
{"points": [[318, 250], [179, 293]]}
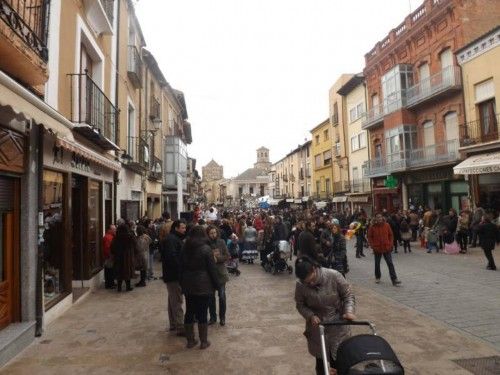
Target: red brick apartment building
{"points": [[415, 104]]}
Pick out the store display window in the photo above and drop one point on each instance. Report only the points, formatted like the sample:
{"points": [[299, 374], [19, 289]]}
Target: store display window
{"points": [[53, 237]]}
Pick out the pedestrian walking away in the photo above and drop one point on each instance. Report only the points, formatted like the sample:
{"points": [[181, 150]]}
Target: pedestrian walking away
{"points": [[381, 240], [199, 281], [170, 249]]}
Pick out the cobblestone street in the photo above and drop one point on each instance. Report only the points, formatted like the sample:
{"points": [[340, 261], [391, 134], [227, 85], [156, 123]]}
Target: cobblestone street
{"points": [[111, 333]]}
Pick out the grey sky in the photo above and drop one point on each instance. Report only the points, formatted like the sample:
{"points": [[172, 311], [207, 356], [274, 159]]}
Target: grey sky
{"points": [[257, 72]]}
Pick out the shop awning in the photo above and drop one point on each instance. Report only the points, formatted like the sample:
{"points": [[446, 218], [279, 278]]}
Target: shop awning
{"points": [[339, 199], [359, 199], [26, 106], [88, 153], [479, 164]]}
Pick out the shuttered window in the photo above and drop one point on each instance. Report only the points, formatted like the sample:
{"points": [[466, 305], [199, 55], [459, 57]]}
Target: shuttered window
{"points": [[484, 91]]}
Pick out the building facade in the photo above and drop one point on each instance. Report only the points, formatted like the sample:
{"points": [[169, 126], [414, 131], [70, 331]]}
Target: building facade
{"points": [[415, 104], [321, 154], [480, 135], [339, 119], [354, 97], [291, 177], [212, 171]]}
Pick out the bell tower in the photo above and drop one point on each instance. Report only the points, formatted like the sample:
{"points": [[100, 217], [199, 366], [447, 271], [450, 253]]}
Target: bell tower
{"points": [[262, 159]]}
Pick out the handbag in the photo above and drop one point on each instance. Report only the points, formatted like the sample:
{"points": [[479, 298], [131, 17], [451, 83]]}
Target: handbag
{"points": [[451, 248]]}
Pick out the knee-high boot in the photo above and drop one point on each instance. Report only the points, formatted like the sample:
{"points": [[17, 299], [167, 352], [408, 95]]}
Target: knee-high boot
{"points": [[203, 332]]}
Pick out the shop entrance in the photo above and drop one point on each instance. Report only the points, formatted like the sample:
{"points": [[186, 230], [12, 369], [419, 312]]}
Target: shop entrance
{"points": [[9, 251], [78, 208]]}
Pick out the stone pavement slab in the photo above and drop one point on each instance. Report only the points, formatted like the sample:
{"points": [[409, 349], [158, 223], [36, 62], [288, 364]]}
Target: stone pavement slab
{"points": [[124, 333], [454, 289]]}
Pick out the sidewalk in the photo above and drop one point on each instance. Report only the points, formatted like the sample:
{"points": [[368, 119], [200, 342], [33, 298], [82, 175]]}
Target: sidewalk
{"points": [[124, 333]]}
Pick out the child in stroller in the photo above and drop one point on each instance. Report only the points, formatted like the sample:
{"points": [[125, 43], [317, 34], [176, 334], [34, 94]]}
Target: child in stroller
{"points": [[233, 262]]}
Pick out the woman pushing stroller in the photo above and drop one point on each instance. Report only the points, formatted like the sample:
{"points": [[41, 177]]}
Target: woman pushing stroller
{"points": [[323, 294]]}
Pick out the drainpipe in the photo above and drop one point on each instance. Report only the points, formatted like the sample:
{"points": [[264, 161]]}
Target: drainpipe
{"points": [[117, 80], [38, 131]]}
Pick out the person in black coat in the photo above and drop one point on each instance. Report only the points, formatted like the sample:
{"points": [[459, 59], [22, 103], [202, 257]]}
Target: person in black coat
{"points": [[170, 250], [488, 235], [199, 281], [306, 243]]}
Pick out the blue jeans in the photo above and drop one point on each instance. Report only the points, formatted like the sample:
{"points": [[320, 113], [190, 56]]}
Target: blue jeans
{"points": [[390, 265], [222, 304]]}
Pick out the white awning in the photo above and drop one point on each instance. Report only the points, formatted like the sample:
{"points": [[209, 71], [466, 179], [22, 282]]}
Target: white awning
{"points": [[27, 106], [479, 164], [339, 199]]}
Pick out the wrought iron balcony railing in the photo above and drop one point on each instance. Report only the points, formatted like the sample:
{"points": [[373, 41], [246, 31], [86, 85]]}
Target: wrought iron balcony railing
{"points": [[29, 19], [134, 66], [137, 153], [360, 185], [446, 79], [90, 106], [374, 116], [481, 131]]}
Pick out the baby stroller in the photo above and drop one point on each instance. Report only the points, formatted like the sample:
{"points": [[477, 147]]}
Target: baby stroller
{"points": [[277, 260], [362, 354]]}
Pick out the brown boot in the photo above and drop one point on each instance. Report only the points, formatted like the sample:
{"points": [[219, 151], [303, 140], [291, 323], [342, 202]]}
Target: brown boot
{"points": [[203, 332], [191, 341]]}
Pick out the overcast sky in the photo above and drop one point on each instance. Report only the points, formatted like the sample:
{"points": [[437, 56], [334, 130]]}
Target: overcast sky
{"points": [[257, 72]]}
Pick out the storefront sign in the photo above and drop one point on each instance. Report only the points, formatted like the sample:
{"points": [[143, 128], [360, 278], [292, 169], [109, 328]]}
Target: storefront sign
{"points": [[429, 176], [80, 162]]}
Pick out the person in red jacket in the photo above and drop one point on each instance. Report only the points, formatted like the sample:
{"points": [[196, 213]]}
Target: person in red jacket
{"points": [[109, 277], [380, 238]]}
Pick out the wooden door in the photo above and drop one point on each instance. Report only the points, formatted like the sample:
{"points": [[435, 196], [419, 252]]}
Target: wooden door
{"points": [[9, 252]]}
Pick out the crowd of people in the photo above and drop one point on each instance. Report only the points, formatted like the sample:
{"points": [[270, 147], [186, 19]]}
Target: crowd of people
{"points": [[196, 255]]}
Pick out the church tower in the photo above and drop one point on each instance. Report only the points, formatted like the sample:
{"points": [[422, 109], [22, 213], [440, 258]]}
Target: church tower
{"points": [[262, 159]]}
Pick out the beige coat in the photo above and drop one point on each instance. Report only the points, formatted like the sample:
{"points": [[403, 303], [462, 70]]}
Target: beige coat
{"points": [[329, 300]]}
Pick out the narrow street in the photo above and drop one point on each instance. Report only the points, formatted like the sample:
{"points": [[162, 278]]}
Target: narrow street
{"points": [[111, 333]]}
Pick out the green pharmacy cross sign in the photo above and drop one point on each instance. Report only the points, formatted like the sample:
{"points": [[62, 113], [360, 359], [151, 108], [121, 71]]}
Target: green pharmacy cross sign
{"points": [[391, 182]]}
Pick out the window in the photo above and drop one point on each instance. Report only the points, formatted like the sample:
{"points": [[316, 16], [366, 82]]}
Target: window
{"points": [[446, 58], [429, 139], [325, 135], [337, 148], [356, 112], [358, 141], [354, 143], [489, 123], [484, 91], [335, 113], [393, 83], [327, 157], [317, 161], [327, 185], [251, 189], [451, 126], [131, 131], [375, 105], [317, 186], [317, 139], [424, 73]]}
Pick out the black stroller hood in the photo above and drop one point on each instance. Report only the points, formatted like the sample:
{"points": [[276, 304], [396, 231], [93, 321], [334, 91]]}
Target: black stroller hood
{"points": [[366, 348]]}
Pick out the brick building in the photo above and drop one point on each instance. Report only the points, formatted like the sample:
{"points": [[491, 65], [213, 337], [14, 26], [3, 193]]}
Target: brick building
{"points": [[415, 104]]}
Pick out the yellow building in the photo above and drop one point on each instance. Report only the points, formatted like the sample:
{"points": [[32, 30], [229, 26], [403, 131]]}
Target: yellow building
{"points": [[480, 135], [339, 122], [293, 174], [321, 160]]}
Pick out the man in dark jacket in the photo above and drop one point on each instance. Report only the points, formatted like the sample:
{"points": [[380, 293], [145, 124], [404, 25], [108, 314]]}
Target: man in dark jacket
{"points": [[488, 236], [170, 248]]}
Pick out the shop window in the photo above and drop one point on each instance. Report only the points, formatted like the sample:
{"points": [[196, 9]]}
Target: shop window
{"points": [[94, 231], [53, 237]]}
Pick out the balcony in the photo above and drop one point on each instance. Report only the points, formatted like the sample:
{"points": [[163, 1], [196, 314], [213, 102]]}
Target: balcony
{"points": [[433, 87], [375, 116], [413, 159], [481, 132], [134, 66], [360, 185], [156, 169], [137, 157], [94, 115], [174, 163], [100, 15], [341, 186], [23, 39]]}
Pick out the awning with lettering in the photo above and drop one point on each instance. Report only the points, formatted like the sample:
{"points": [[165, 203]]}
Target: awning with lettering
{"points": [[339, 199], [88, 153], [479, 164], [358, 199]]}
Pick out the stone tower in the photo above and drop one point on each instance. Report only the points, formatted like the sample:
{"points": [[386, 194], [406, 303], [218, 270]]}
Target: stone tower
{"points": [[262, 159]]}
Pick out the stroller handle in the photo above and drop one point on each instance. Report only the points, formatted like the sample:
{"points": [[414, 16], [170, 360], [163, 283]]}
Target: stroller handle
{"points": [[349, 323]]}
